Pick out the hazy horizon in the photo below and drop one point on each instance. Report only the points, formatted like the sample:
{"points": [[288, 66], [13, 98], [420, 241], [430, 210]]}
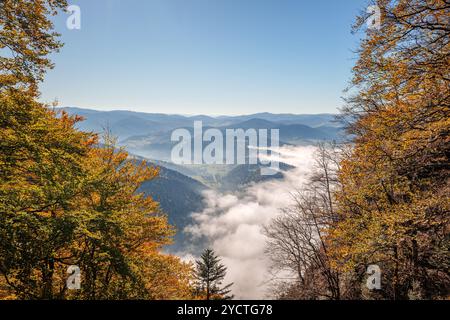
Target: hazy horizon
{"points": [[195, 114]]}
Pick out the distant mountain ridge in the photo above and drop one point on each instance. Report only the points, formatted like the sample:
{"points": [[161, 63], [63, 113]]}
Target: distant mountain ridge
{"points": [[125, 124]]}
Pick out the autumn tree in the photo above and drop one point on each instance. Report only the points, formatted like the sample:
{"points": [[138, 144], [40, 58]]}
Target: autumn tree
{"points": [[26, 38], [42, 167], [167, 278], [209, 275], [65, 199], [394, 204], [119, 240]]}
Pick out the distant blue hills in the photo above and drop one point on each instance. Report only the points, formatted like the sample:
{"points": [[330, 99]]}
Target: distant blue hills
{"points": [[128, 124], [179, 189]]}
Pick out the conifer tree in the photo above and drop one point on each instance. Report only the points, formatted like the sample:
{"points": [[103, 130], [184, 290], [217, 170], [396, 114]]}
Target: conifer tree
{"points": [[210, 273]]}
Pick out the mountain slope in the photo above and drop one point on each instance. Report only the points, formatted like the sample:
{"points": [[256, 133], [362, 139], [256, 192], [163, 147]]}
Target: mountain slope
{"points": [[178, 196]]}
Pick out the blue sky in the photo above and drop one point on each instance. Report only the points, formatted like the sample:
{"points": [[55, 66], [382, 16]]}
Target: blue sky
{"points": [[206, 56]]}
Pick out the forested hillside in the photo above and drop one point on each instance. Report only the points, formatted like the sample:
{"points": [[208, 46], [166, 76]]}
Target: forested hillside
{"points": [[66, 200], [375, 202], [383, 199]]}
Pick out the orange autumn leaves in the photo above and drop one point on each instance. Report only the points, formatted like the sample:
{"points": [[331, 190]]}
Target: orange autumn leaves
{"points": [[67, 200], [393, 199]]}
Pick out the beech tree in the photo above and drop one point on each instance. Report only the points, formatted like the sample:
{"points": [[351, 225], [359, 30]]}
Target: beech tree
{"points": [[66, 199], [297, 242]]}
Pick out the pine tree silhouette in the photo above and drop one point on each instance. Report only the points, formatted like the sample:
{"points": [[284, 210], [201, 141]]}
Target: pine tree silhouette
{"points": [[209, 274]]}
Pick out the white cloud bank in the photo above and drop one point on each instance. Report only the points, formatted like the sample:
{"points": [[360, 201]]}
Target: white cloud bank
{"points": [[232, 223]]}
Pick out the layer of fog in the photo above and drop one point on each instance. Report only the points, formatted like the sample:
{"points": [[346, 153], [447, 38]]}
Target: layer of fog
{"points": [[233, 223]]}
